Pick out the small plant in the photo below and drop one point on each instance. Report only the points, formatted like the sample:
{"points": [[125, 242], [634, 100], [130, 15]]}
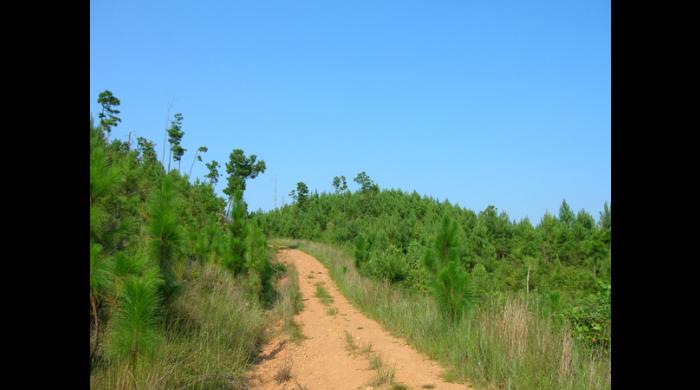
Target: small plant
{"points": [[284, 373], [366, 349], [331, 311], [134, 331], [375, 362], [383, 375], [350, 343], [399, 386], [322, 294]]}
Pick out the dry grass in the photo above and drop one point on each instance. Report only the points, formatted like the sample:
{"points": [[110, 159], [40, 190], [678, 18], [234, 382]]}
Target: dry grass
{"points": [[384, 375], [501, 344], [290, 302], [284, 373], [214, 331]]}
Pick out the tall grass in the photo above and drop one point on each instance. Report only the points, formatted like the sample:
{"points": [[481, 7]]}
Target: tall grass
{"points": [[289, 303], [501, 344], [214, 332]]}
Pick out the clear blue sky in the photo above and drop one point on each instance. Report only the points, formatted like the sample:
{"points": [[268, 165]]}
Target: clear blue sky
{"points": [[478, 102]]}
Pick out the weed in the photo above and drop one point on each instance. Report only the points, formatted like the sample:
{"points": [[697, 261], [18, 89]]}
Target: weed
{"points": [[366, 349], [383, 375], [375, 362], [284, 373], [322, 294], [350, 343]]}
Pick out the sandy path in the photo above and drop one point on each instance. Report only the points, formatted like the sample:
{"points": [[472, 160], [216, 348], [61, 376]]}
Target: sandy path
{"points": [[322, 361]]}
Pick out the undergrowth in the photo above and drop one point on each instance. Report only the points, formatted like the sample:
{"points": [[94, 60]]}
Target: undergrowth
{"points": [[505, 342]]}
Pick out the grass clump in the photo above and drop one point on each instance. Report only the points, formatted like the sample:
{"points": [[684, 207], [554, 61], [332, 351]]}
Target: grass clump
{"points": [[290, 302], [284, 373], [366, 349], [375, 362], [322, 294], [350, 343], [384, 375], [332, 311]]}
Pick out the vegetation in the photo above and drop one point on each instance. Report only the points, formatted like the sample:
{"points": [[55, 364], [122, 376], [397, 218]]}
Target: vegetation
{"points": [[505, 342], [322, 294], [291, 303], [462, 258], [508, 341], [182, 281], [178, 288]]}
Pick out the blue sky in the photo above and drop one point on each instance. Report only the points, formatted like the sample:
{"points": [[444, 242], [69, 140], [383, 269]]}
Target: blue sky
{"points": [[489, 102]]}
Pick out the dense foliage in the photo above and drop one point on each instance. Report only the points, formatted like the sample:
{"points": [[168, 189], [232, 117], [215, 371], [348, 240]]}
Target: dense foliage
{"points": [[421, 244], [180, 276], [151, 229]]}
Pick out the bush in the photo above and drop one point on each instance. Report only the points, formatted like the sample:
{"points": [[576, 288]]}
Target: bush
{"points": [[361, 251], [133, 330], [449, 283]]}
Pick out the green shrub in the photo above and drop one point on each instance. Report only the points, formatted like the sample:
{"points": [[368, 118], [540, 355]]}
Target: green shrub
{"points": [[361, 251], [134, 328], [449, 282]]}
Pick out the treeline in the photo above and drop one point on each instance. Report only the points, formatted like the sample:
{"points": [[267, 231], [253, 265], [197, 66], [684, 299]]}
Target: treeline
{"points": [[418, 243], [178, 284]]}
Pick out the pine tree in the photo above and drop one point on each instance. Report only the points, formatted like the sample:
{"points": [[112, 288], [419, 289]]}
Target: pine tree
{"points": [[108, 116], [100, 283], [340, 184], [213, 174], [300, 195], [165, 236], [366, 184], [361, 251], [133, 330], [175, 135], [198, 157], [235, 261], [449, 281], [258, 262]]}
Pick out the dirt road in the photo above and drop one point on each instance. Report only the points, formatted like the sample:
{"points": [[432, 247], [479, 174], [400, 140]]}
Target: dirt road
{"points": [[326, 359]]}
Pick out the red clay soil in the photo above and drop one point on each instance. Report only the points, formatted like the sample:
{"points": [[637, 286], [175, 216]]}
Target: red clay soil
{"points": [[322, 360]]}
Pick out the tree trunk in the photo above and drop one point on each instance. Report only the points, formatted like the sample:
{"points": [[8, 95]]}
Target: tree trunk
{"points": [[192, 166], [165, 136]]}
